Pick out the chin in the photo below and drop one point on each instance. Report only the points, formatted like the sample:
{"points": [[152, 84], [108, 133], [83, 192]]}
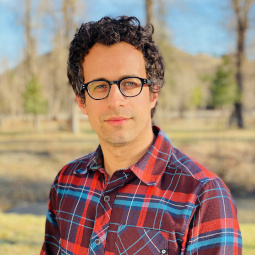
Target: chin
{"points": [[118, 140]]}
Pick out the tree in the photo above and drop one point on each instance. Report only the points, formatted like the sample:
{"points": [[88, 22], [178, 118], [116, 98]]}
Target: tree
{"points": [[69, 9], [241, 10], [197, 97], [149, 11], [62, 21], [34, 102], [222, 85], [29, 40], [158, 9]]}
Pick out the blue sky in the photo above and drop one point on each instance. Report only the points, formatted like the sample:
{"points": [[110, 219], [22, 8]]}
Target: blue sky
{"points": [[195, 26]]}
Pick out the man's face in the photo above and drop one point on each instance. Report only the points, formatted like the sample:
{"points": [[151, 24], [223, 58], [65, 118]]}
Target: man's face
{"points": [[117, 119]]}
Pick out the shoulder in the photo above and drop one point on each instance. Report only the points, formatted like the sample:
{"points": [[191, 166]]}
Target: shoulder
{"points": [[181, 171], [184, 175], [77, 166], [190, 167]]}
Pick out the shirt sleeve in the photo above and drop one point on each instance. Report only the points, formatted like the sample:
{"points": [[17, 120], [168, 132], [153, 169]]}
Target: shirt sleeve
{"points": [[214, 228], [51, 245]]}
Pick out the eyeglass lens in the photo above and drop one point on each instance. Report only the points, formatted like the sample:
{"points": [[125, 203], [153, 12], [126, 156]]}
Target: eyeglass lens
{"points": [[129, 87]]}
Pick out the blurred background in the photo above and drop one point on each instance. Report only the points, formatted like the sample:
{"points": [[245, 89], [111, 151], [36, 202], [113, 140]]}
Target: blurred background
{"points": [[207, 105]]}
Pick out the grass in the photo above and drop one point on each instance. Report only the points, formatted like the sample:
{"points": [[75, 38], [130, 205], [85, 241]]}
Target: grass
{"points": [[30, 160], [21, 234], [24, 234], [248, 234]]}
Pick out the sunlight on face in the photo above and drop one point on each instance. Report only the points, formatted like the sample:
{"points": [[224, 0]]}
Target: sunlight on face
{"points": [[117, 119]]}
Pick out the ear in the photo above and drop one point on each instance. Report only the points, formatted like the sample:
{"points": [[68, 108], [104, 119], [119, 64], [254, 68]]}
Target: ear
{"points": [[81, 104], [154, 99]]}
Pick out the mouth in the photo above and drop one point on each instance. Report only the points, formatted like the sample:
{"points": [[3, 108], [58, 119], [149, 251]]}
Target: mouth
{"points": [[117, 120]]}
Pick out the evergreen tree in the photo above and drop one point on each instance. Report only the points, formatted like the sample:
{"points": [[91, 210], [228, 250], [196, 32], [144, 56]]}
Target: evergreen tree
{"points": [[34, 102], [197, 97], [222, 87]]}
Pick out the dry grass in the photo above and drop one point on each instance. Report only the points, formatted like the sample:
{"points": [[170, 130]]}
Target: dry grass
{"points": [[21, 234], [248, 231], [30, 160]]}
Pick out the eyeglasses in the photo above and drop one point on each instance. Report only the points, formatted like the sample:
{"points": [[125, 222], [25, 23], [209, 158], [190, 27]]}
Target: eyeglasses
{"points": [[128, 86]]}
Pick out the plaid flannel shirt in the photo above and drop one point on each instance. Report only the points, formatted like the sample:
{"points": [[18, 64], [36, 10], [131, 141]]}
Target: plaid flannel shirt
{"points": [[164, 204]]}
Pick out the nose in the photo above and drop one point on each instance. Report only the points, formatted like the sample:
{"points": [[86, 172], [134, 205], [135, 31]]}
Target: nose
{"points": [[115, 97]]}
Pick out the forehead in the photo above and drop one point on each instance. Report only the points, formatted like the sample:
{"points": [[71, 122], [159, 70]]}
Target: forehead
{"points": [[113, 62]]}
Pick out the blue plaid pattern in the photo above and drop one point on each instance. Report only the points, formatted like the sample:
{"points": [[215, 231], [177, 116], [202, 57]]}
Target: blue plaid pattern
{"points": [[166, 203]]}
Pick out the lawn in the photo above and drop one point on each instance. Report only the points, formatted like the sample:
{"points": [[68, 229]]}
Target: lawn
{"points": [[23, 234], [30, 160]]}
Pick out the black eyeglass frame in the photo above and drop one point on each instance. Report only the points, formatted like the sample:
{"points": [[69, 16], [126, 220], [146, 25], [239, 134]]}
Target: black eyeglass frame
{"points": [[110, 83]]}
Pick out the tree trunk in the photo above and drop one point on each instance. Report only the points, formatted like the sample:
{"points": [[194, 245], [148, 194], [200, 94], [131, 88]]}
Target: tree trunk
{"points": [[69, 9], [239, 78], [37, 123], [149, 4], [30, 41], [241, 9]]}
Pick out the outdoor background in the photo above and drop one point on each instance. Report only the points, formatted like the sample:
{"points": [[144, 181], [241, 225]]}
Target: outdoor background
{"points": [[207, 105]]}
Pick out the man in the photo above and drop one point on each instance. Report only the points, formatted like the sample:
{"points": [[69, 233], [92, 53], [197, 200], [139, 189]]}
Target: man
{"points": [[136, 194]]}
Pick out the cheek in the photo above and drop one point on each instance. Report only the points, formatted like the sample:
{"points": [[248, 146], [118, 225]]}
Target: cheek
{"points": [[94, 121], [94, 111]]}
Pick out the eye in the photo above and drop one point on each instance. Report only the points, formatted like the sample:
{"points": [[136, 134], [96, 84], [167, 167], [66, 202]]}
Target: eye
{"points": [[102, 86], [98, 86], [130, 83]]}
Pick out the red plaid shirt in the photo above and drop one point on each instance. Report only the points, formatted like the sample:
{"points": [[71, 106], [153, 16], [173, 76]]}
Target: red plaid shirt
{"points": [[164, 204]]}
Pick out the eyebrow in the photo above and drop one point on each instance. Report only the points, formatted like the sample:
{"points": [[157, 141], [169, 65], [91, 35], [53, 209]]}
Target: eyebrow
{"points": [[122, 77]]}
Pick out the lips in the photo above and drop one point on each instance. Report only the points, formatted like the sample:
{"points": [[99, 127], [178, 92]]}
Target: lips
{"points": [[119, 120]]}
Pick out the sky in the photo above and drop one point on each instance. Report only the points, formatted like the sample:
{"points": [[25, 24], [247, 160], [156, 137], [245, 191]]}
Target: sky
{"points": [[195, 26]]}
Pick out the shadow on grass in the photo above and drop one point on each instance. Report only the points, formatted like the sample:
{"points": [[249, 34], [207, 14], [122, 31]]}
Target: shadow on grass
{"points": [[13, 242], [16, 192], [249, 247]]}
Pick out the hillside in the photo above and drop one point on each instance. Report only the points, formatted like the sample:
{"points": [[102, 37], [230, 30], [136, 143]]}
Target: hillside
{"points": [[183, 75]]}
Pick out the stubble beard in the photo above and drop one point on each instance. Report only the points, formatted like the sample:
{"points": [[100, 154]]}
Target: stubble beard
{"points": [[117, 136], [121, 135]]}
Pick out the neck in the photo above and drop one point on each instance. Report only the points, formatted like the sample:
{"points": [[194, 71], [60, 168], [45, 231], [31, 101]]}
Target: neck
{"points": [[123, 156]]}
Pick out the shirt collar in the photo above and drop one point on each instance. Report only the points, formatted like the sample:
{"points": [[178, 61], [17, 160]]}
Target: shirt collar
{"points": [[96, 161], [150, 167]]}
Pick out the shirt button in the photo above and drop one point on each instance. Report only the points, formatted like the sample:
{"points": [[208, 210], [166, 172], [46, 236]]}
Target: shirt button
{"points": [[107, 198], [97, 241]]}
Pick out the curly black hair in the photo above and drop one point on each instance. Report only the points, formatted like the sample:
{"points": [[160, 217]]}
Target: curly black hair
{"points": [[109, 31]]}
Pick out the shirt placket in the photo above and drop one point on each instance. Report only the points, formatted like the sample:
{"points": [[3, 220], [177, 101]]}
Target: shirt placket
{"points": [[103, 213]]}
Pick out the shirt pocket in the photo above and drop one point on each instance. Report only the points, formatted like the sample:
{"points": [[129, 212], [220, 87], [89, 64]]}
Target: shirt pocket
{"points": [[138, 240]]}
